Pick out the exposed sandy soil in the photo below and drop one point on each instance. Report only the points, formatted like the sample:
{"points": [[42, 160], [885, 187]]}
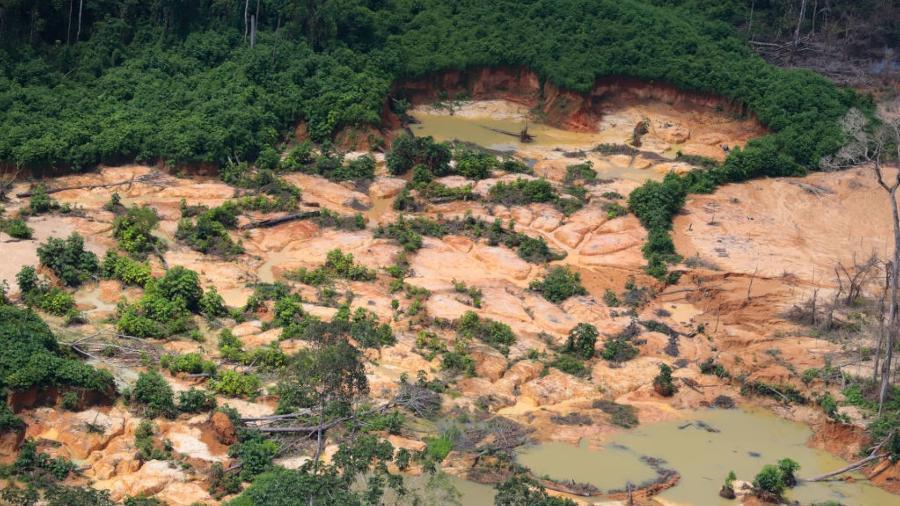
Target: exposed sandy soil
{"points": [[799, 226], [766, 227]]}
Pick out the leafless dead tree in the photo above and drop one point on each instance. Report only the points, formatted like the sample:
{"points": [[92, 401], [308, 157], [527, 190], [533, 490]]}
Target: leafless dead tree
{"points": [[877, 147]]}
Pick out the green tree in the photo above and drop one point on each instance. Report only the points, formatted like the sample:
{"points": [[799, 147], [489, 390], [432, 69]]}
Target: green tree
{"points": [[582, 339]]}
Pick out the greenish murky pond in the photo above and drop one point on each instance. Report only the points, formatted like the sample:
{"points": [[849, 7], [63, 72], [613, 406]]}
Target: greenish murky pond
{"points": [[482, 130], [745, 441]]}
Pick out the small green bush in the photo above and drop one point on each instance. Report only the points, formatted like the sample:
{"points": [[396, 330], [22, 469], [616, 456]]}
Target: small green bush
{"points": [[581, 172], [154, 394], [212, 304], [41, 202], [236, 384], [124, 269], [581, 340], [571, 365], [15, 228], [662, 383], [190, 363], [494, 333], [134, 230], [208, 233], [618, 349], [523, 191], [195, 401], [559, 284], [255, 454], [181, 283], [68, 259], [407, 152]]}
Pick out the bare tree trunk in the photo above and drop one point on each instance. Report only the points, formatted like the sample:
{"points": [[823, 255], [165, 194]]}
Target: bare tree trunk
{"points": [[80, 9], [275, 42], [797, 31], [892, 310], [799, 22], [750, 23], [69, 25], [812, 30], [888, 267], [246, 18], [252, 31]]}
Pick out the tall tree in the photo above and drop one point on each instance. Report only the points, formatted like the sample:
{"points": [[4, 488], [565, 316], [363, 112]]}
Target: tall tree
{"points": [[876, 147]]}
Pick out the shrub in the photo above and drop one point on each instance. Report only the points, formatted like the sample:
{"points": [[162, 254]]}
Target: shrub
{"points": [[581, 172], [770, 480], [15, 228], [179, 282], [27, 279], [355, 170], [267, 159], [154, 394], [236, 384], [368, 332], [474, 164], [190, 363], [559, 284], [662, 383], [494, 333], [522, 191], [212, 304], [622, 415], [520, 489], [298, 157], [68, 259], [255, 454], [9, 421], [230, 346], [337, 264], [134, 230], [618, 349], [407, 152], [41, 202], [69, 401], [154, 316], [195, 401], [610, 298], [581, 340], [146, 447], [330, 219], [437, 448], [124, 269], [571, 365], [208, 233], [30, 355]]}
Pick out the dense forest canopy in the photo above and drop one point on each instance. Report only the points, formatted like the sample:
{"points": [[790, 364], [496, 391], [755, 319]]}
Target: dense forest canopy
{"points": [[84, 82]]}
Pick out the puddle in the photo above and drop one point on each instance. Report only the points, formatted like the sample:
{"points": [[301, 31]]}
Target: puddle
{"points": [[440, 488], [745, 441], [482, 130], [482, 127], [609, 469]]}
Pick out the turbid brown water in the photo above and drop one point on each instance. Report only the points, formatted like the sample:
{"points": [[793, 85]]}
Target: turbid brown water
{"points": [[745, 441], [482, 126]]}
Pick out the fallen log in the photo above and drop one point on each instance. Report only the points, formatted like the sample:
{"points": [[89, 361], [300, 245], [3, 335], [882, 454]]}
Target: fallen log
{"points": [[271, 222], [141, 179], [850, 467], [325, 426]]}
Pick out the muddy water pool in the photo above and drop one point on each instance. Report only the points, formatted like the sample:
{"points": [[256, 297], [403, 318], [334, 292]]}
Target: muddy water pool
{"points": [[703, 447], [548, 143]]}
